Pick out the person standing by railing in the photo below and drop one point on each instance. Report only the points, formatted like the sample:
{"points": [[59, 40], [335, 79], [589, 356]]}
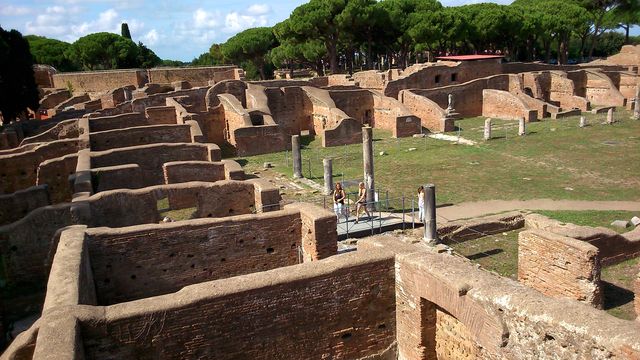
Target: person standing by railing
{"points": [[362, 201], [421, 204], [338, 200]]}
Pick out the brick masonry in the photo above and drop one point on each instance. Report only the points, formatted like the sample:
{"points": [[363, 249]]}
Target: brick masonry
{"points": [[559, 266]]}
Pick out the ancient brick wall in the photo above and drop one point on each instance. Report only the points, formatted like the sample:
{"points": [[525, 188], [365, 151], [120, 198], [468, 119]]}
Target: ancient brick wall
{"points": [[467, 96], [443, 74], [559, 266], [256, 140], [431, 115], [392, 115], [357, 104], [626, 82], [55, 174], [51, 100], [15, 206], [150, 158], [157, 115], [196, 76], [348, 131], [19, 171], [43, 75], [128, 176], [162, 259], [214, 125], [225, 198], [340, 308], [67, 129], [319, 234], [289, 108], [185, 171], [504, 105], [104, 123], [100, 81], [596, 87], [141, 135]]}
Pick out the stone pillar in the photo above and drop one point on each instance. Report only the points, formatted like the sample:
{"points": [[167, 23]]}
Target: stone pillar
{"points": [[367, 157], [610, 116], [487, 129], [430, 226], [328, 176], [522, 127], [297, 156], [583, 122]]}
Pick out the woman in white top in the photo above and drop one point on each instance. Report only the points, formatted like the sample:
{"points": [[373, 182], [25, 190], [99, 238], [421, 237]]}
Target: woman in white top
{"points": [[362, 201], [421, 203]]}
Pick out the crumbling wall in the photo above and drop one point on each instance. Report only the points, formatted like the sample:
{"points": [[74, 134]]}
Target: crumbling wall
{"points": [[596, 87], [432, 116], [15, 206], [162, 259], [468, 97], [100, 81], [318, 231], [114, 122], [443, 74], [126, 176], [19, 171], [391, 115], [157, 115], [185, 171], [348, 131], [625, 81], [134, 136], [559, 266], [289, 109], [504, 105], [150, 158], [341, 308], [55, 174], [67, 129], [196, 76]]}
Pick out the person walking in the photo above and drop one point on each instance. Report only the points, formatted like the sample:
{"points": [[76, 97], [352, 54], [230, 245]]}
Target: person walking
{"points": [[362, 202], [421, 204], [338, 200]]}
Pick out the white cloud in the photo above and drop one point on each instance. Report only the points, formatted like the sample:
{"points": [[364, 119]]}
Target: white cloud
{"points": [[259, 9], [10, 10], [106, 21], [206, 19], [151, 38], [235, 22]]}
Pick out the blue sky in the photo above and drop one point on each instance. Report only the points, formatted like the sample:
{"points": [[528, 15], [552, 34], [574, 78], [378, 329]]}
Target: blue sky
{"points": [[179, 30]]}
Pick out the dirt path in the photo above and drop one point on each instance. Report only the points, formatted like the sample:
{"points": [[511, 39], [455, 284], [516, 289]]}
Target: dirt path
{"points": [[481, 208]]}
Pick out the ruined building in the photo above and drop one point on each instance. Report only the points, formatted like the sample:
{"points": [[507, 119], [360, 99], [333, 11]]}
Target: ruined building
{"points": [[83, 194]]}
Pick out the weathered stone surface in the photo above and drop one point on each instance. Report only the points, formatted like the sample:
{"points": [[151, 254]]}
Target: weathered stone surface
{"points": [[559, 266]]}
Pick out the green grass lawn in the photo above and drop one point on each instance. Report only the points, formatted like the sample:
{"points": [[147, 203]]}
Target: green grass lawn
{"points": [[498, 253], [591, 218], [556, 160]]}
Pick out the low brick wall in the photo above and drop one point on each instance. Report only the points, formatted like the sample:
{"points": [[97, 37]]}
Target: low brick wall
{"points": [[319, 231], [504, 105], [340, 308], [128, 176], [431, 115], [185, 171], [15, 206], [348, 131], [559, 266], [99, 81], [151, 260], [150, 158], [142, 135], [114, 122]]}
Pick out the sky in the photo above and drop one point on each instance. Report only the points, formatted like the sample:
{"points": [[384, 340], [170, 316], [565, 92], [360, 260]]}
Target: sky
{"points": [[177, 30]]}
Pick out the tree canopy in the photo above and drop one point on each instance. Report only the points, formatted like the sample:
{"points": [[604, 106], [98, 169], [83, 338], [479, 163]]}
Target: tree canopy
{"points": [[251, 46], [51, 52], [18, 90]]}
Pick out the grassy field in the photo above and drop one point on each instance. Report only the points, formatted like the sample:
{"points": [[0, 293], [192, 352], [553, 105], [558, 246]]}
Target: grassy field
{"points": [[556, 160], [499, 253]]}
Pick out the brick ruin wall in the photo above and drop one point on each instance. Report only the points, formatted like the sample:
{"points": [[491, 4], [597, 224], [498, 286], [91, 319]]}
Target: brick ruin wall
{"points": [[19, 171], [290, 109], [559, 266], [468, 97], [443, 75], [390, 114], [339, 308], [596, 87], [115, 122], [67, 129], [100, 81], [127, 176], [185, 171], [55, 174], [348, 131], [196, 76], [143, 135], [431, 115], [17, 205], [150, 158], [504, 105], [162, 259]]}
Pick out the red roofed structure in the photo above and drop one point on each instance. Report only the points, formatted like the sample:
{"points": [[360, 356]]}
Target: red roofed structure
{"points": [[469, 57]]}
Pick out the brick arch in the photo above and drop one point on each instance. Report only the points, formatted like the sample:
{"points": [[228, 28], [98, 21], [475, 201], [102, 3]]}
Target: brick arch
{"points": [[420, 293]]}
